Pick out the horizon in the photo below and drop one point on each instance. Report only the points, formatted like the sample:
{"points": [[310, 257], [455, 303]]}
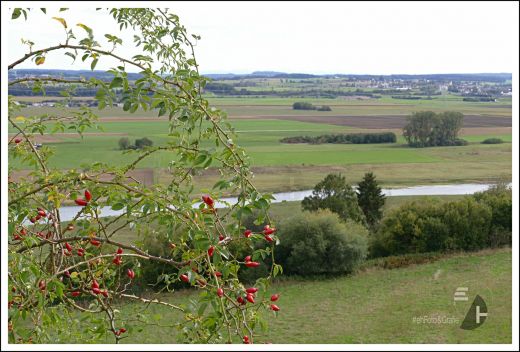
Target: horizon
{"points": [[292, 73]]}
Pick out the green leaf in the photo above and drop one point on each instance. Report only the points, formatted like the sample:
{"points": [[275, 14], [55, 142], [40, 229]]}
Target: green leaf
{"points": [[116, 82], [118, 206], [93, 64], [16, 13], [72, 56]]}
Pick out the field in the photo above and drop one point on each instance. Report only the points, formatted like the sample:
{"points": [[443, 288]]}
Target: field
{"points": [[374, 306], [261, 122]]}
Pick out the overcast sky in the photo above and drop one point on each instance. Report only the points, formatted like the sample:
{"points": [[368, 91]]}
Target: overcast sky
{"points": [[371, 38]]}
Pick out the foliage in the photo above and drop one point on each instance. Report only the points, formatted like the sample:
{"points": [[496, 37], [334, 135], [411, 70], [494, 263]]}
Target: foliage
{"points": [[319, 243], [492, 141], [144, 142], [475, 222], [429, 129], [370, 199], [499, 199], [54, 269], [335, 194], [124, 143], [345, 138], [309, 106]]}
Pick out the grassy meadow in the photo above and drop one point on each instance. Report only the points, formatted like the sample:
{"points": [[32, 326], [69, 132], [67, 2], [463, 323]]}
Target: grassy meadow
{"points": [[373, 306]]}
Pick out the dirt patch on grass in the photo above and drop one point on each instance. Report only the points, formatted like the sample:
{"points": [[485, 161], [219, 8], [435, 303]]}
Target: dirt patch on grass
{"points": [[485, 131], [390, 121], [145, 176], [61, 137]]}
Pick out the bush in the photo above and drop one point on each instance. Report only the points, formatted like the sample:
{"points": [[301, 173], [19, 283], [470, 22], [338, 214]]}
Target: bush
{"points": [[124, 143], [431, 227], [492, 141], [303, 106], [499, 199], [479, 221], [156, 274], [319, 243], [143, 142]]}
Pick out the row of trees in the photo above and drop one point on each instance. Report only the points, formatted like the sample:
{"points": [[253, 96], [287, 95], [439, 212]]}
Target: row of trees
{"points": [[345, 138], [309, 106], [429, 129]]}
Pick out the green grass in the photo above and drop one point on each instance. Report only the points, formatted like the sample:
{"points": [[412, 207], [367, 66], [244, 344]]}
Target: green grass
{"points": [[374, 306]]}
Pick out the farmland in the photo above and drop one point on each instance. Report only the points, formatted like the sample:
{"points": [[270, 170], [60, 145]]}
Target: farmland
{"points": [[261, 122]]}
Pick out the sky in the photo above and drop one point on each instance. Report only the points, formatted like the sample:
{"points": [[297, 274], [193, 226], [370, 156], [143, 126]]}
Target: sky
{"points": [[310, 37]]}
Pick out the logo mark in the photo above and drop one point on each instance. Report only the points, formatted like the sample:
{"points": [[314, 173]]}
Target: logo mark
{"points": [[460, 294], [476, 315]]}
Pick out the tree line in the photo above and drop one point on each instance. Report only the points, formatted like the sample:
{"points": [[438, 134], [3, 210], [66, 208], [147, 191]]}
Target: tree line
{"points": [[346, 138]]}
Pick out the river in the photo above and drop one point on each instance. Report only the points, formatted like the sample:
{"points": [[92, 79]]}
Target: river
{"points": [[67, 213]]}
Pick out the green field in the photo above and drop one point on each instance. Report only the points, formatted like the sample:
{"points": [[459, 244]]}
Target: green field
{"points": [[261, 140], [260, 124], [374, 306]]}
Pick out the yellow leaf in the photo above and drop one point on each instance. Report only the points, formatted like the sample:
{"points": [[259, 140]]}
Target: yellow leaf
{"points": [[61, 20], [19, 118], [74, 274], [84, 27], [40, 60]]}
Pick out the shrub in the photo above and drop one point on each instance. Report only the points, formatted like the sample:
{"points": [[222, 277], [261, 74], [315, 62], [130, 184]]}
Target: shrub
{"points": [[156, 274], [124, 143], [499, 199], [303, 106], [431, 227], [492, 141], [346, 138], [320, 243], [143, 142]]}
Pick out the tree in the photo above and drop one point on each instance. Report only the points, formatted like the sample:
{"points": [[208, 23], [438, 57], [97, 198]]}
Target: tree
{"points": [[58, 270], [124, 143], [370, 199], [335, 194], [428, 129]]}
